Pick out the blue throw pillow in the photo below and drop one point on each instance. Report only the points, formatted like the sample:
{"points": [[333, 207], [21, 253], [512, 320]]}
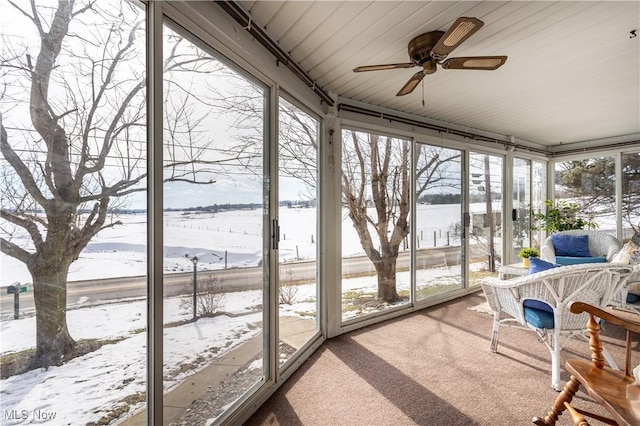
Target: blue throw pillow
{"points": [[571, 245], [539, 265], [568, 260]]}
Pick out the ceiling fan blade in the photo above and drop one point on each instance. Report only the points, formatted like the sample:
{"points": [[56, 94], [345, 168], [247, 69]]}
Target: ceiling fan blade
{"points": [[411, 84], [489, 63], [462, 29], [384, 67]]}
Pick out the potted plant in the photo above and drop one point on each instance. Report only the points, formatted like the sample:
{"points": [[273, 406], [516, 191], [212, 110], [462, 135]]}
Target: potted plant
{"points": [[526, 253], [562, 216]]}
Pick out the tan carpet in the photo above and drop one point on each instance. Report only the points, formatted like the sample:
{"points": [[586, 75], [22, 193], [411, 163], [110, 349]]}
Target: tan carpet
{"points": [[431, 367]]}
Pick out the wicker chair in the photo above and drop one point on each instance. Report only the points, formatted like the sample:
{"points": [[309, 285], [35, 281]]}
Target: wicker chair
{"points": [[600, 244], [593, 283]]}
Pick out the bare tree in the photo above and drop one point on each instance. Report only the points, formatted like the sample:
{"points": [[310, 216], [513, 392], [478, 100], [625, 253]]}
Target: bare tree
{"points": [[376, 172], [375, 176], [80, 81], [376, 192]]}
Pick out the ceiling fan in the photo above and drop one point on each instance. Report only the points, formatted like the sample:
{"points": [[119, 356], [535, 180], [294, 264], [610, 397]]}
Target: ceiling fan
{"points": [[430, 49]]}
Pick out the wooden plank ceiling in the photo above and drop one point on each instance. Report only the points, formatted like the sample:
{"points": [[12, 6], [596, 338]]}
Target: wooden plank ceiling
{"points": [[572, 74]]}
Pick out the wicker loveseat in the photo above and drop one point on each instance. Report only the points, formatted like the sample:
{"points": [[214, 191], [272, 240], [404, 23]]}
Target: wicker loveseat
{"points": [[516, 303], [600, 244]]}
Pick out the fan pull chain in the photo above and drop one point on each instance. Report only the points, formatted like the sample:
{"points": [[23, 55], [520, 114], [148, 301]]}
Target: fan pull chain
{"points": [[422, 93]]}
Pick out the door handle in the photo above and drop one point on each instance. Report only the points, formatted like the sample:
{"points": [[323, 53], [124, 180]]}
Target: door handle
{"points": [[275, 234]]}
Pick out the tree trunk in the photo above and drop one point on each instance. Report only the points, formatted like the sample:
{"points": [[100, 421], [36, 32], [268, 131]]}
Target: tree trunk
{"points": [[386, 269], [53, 341]]}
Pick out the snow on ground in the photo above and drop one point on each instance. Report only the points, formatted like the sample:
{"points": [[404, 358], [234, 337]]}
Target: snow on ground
{"points": [[121, 251], [100, 380], [88, 387]]}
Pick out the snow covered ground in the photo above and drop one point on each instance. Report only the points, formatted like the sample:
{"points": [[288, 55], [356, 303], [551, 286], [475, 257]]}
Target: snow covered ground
{"points": [[99, 381], [88, 387], [235, 235]]}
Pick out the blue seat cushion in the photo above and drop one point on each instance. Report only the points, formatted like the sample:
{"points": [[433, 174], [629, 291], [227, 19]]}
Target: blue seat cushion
{"points": [[537, 304], [574, 260], [539, 265], [538, 314], [632, 298], [571, 245], [539, 318]]}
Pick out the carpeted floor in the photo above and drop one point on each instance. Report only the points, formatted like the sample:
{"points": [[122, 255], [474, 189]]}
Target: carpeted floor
{"points": [[431, 367]]}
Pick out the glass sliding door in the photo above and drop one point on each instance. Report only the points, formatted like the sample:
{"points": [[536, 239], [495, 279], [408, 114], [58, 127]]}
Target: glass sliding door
{"points": [[216, 232], [521, 208], [73, 221], [485, 210], [439, 234], [375, 223], [298, 221]]}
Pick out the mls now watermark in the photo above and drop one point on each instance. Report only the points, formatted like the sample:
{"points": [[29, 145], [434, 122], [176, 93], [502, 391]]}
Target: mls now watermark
{"points": [[37, 414]]}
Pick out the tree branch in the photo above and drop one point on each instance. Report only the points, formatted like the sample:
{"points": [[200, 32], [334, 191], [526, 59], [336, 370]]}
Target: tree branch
{"points": [[10, 249], [28, 225], [21, 169], [107, 141]]}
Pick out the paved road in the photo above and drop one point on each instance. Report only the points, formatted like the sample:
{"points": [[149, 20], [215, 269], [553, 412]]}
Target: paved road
{"points": [[235, 279]]}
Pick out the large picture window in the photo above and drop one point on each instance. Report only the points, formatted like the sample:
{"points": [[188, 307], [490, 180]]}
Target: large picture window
{"points": [[73, 222]]}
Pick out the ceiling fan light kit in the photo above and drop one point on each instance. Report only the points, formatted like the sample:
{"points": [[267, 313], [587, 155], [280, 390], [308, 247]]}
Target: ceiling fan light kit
{"points": [[429, 49]]}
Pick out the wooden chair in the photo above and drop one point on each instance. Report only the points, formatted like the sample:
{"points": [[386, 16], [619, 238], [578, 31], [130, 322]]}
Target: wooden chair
{"points": [[617, 391]]}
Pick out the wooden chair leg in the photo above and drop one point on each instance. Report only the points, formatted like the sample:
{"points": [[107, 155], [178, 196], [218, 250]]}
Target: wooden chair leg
{"points": [[578, 419], [558, 407]]}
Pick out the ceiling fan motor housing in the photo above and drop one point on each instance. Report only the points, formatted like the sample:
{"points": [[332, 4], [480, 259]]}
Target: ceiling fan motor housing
{"points": [[420, 46]]}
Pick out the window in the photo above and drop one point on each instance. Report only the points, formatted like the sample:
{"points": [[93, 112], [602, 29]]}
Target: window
{"points": [[538, 197], [298, 288], [630, 193], [486, 206], [216, 231], [589, 183], [73, 211], [439, 238], [375, 223], [521, 210]]}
